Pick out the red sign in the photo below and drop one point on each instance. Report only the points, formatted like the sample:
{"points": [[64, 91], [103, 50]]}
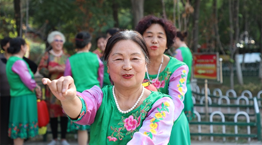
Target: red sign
{"points": [[205, 66]]}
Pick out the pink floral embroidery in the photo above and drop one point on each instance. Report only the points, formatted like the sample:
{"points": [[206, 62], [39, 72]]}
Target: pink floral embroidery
{"points": [[162, 84], [130, 123], [156, 83], [112, 139], [138, 121]]}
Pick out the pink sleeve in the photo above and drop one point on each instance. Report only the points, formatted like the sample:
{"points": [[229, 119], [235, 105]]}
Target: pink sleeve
{"points": [[68, 71], [177, 88], [157, 126], [178, 55], [100, 72], [21, 69], [92, 99]]}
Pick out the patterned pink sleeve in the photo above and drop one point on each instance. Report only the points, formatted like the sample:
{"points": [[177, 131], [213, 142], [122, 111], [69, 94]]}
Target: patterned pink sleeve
{"points": [[91, 101], [156, 128], [68, 71], [100, 72], [178, 55], [177, 88], [20, 68]]}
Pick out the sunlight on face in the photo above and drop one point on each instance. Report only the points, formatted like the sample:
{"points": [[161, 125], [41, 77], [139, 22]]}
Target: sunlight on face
{"points": [[156, 40], [126, 64], [57, 44], [101, 44]]}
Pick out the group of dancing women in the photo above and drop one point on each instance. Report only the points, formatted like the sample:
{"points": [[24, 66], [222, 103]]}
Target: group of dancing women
{"points": [[102, 91]]}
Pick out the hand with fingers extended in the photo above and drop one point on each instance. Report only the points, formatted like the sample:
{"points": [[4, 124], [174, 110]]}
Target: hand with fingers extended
{"points": [[63, 88]]}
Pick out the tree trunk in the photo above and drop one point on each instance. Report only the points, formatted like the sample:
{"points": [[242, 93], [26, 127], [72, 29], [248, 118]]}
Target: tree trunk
{"points": [[231, 46], [260, 72], [195, 25], [238, 66], [245, 36], [17, 8], [138, 10], [115, 13], [216, 27], [179, 20], [174, 13], [163, 8]]}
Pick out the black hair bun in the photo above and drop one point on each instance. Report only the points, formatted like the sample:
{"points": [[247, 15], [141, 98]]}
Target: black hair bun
{"points": [[11, 50], [185, 34]]}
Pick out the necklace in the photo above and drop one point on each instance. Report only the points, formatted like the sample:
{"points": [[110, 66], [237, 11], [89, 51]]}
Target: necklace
{"points": [[56, 54], [151, 81], [132, 108]]}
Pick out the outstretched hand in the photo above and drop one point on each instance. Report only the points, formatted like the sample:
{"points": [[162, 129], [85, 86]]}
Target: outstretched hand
{"points": [[63, 88]]}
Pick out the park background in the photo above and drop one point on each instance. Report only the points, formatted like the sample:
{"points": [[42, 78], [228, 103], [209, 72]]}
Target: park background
{"points": [[231, 28]]}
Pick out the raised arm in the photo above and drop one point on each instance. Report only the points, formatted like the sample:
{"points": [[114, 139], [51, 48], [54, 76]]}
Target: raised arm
{"points": [[100, 72], [64, 90], [156, 128], [177, 88], [91, 101], [80, 107]]}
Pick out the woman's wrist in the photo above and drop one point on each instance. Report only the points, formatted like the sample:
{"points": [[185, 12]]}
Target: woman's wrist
{"points": [[71, 107]]}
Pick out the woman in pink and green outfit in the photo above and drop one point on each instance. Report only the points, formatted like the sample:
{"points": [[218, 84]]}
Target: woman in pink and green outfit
{"points": [[23, 121], [125, 112], [166, 73]]}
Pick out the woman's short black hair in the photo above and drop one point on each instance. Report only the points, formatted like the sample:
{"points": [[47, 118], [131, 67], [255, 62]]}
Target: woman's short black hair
{"points": [[82, 39], [100, 36], [112, 31], [126, 35], [181, 35], [147, 21], [15, 45], [5, 41]]}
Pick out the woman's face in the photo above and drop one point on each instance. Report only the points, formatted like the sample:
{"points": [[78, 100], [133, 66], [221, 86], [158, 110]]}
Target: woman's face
{"points": [[101, 44], [156, 40], [126, 64], [24, 49], [57, 44]]}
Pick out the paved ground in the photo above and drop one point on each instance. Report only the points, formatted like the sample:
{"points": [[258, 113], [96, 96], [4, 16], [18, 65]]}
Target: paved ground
{"points": [[217, 143], [193, 143]]}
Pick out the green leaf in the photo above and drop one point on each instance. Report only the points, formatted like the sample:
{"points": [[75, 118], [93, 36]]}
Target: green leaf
{"points": [[156, 120], [121, 123], [129, 132], [150, 135], [162, 105]]}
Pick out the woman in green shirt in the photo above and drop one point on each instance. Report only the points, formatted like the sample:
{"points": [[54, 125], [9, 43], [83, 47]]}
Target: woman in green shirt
{"points": [[23, 121], [184, 54]]}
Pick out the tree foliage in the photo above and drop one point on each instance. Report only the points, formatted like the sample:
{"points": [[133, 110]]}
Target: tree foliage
{"points": [[96, 16]]}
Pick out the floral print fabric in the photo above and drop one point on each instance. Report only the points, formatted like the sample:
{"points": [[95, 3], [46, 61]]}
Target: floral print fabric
{"points": [[130, 128]]}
